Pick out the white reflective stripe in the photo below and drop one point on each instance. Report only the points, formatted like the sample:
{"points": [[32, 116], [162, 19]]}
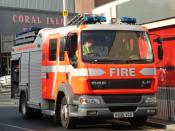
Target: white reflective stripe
{"points": [[148, 71], [43, 75], [96, 72], [61, 68], [73, 71], [48, 68], [69, 68], [79, 72]]}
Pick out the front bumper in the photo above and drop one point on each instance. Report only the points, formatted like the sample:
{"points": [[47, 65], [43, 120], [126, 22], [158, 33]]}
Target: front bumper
{"points": [[107, 110]]}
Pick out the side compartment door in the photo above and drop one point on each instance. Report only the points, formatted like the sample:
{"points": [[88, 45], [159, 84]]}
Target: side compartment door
{"points": [[35, 77], [24, 71], [15, 77]]}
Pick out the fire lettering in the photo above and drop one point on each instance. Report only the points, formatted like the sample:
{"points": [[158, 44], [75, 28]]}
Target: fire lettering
{"points": [[122, 72]]}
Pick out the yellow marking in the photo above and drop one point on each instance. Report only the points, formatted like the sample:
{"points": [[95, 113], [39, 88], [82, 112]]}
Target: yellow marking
{"points": [[65, 12]]}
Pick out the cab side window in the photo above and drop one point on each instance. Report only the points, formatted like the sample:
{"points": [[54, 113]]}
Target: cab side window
{"points": [[62, 48], [52, 49], [71, 45]]}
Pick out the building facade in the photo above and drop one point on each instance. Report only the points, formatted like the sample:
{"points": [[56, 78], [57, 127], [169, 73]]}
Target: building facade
{"points": [[144, 10], [19, 15], [86, 6], [47, 5]]}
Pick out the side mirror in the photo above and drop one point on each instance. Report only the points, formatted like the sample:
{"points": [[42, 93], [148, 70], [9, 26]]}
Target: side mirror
{"points": [[160, 52], [159, 40]]}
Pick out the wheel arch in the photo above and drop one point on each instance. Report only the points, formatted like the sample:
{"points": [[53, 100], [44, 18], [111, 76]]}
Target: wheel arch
{"points": [[67, 91], [64, 90]]}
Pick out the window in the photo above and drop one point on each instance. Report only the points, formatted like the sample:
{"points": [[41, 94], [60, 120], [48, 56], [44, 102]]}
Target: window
{"points": [[71, 45], [71, 48], [52, 49], [62, 47], [116, 46]]}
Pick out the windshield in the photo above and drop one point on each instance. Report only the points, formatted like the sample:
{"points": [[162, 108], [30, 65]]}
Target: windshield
{"points": [[116, 46]]}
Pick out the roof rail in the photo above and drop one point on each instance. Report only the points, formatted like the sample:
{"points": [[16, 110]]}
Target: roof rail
{"points": [[27, 36]]}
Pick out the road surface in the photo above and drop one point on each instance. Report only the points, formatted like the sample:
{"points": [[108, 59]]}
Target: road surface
{"points": [[11, 120]]}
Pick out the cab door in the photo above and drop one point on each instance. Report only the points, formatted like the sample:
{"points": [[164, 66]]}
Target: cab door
{"points": [[50, 62]]}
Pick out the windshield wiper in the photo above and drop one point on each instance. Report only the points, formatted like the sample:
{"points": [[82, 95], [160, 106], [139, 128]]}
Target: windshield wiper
{"points": [[91, 60], [111, 61], [97, 61], [140, 61]]}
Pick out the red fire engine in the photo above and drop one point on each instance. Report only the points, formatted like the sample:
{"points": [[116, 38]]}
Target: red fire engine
{"points": [[57, 77]]}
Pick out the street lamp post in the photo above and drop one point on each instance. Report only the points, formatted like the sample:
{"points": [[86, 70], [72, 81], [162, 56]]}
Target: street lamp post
{"points": [[65, 12]]}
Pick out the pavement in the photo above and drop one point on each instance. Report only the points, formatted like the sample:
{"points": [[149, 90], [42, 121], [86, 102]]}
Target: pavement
{"points": [[5, 90], [5, 99], [170, 126]]}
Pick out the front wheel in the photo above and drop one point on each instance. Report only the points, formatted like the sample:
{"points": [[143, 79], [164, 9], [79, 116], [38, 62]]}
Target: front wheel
{"points": [[138, 121], [66, 121]]}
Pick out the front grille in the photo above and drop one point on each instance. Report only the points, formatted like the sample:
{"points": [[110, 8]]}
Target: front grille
{"points": [[100, 84], [121, 98], [122, 108]]}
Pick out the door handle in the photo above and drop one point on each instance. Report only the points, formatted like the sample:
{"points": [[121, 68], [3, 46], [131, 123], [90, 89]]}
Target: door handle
{"points": [[67, 76], [47, 75]]}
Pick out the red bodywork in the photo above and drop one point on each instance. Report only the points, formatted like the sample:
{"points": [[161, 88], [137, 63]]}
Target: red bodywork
{"points": [[166, 67], [80, 84]]}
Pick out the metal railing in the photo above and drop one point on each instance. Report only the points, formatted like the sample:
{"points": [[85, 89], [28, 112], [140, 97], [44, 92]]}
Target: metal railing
{"points": [[166, 100], [5, 88]]}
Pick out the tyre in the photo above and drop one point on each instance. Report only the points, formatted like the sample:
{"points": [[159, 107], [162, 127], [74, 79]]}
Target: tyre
{"points": [[25, 110], [67, 122], [138, 121]]}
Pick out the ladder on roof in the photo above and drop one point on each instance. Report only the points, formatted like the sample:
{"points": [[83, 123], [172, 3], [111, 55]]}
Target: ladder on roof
{"points": [[76, 20], [87, 19]]}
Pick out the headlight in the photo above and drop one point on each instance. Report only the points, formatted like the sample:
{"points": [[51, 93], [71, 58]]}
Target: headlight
{"points": [[150, 99], [89, 101]]}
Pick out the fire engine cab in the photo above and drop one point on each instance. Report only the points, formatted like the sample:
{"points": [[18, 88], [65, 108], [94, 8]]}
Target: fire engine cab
{"points": [[52, 74]]}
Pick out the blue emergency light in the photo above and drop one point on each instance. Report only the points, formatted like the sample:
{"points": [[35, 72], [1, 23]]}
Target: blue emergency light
{"points": [[128, 20], [88, 19]]}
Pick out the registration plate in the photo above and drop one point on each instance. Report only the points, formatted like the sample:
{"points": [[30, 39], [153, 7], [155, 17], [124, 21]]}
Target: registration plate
{"points": [[123, 114]]}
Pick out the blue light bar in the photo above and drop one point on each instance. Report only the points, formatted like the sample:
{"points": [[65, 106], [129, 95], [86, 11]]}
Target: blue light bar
{"points": [[128, 20], [87, 19]]}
